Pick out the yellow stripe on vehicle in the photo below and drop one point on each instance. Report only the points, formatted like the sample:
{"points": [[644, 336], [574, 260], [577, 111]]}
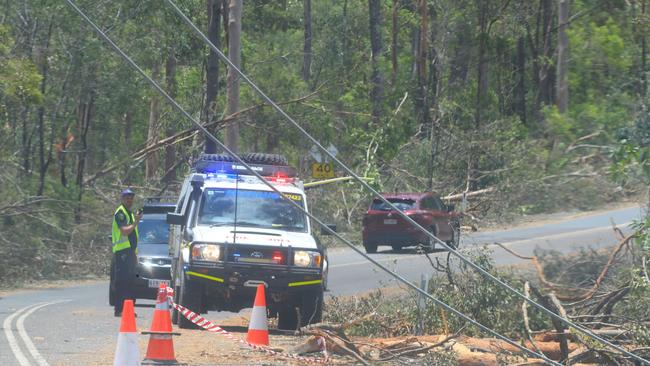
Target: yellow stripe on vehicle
{"points": [[205, 276], [294, 284]]}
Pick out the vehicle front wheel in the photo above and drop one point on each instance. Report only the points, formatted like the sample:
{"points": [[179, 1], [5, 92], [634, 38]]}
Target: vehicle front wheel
{"points": [[396, 248], [311, 307], [111, 285], [190, 297], [370, 248], [288, 318], [175, 313]]}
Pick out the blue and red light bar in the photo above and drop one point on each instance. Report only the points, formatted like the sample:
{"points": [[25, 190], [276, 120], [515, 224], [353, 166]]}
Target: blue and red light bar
{"points": [[277, 173]]}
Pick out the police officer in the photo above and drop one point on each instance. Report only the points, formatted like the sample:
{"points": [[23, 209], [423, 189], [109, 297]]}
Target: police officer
{"points": [[125, 248]]}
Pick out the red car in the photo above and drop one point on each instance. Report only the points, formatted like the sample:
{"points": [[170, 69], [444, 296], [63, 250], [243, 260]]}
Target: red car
{"points": [[384, 226]]}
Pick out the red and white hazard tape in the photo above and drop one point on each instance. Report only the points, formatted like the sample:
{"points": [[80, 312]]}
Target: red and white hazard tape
{"points": [[211, 327]]}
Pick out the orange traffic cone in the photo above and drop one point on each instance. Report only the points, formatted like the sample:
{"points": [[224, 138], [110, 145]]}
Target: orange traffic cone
{"points": [[161, 346], [127, 352], [258, 331]]}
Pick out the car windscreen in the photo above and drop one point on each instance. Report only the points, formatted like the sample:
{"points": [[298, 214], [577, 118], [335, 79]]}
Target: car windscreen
{"points": [[220, 207], [153, 231], [402, 204]]}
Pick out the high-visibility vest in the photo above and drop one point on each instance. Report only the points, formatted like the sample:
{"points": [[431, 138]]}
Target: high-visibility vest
{"points": [[119, 242]]}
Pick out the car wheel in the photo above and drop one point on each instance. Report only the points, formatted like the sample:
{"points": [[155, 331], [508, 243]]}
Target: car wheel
{"points": [[288, 318], [311, 307], [175, 313], [325, 276], [111, 286], [454, 242], [189, 297], [370, 248], [431, 243], [396, 248]]}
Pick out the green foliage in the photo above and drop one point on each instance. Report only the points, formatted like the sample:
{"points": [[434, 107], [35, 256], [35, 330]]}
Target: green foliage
{"points": [[469, 292]]}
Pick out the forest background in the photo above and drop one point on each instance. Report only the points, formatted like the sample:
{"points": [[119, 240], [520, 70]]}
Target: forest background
{"points": [[547, 109]]}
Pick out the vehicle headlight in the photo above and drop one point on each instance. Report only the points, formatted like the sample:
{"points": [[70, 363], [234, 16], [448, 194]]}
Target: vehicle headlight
{"points": [[306, 258], [206, 252]]}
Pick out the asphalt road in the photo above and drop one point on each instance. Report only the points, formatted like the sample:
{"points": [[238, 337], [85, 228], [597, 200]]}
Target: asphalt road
{"points": [[57, 325]]}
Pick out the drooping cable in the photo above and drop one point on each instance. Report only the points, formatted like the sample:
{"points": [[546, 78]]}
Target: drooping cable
{"points": [[253, 172], [349, 171]]}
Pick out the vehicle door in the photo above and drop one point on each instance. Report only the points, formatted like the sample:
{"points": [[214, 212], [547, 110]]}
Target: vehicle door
{"points": [[439, 218], [443, 219]]}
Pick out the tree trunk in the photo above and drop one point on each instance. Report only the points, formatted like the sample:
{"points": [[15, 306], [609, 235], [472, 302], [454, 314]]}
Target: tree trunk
{"points": [[562, 57], [644, 53], [170, 150], [345, 41], [421, 60], [393, 43], [234, 54], [521, 82], [545, 84], [44, 163], [482, 72], [306, 64], [212, 71], [151, 162], [376, 88], [84, 117]]}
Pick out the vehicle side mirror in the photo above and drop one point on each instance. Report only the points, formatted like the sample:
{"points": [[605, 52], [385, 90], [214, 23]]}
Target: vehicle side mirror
{"points": [[175, 218], [330, 226], [451, 207]]}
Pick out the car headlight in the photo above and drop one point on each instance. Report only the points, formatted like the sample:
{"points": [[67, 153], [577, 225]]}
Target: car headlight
{"points": [[306, 258], [206, 252]]}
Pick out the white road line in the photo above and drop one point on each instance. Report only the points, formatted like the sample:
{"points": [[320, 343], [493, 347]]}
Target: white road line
{"points": [[11, 339], [23, 333], [506, 243], [20, 357]]}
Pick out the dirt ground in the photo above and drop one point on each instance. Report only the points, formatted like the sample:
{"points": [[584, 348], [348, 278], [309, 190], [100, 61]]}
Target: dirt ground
{"points": [[203, 348]]}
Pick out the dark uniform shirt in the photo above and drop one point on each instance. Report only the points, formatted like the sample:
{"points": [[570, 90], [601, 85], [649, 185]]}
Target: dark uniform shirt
{"points": [[122, 220]]}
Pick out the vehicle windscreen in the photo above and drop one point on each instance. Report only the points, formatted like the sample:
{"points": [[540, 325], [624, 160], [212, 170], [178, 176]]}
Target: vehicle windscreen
{"points": [[220, 207], [153, 231], [401, 203]]}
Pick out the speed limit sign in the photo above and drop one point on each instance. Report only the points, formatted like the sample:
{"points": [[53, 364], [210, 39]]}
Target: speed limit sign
{"points": [[322, 170]]}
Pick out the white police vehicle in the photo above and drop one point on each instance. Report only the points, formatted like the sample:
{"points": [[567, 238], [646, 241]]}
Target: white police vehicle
{"points": [[231, 232]]}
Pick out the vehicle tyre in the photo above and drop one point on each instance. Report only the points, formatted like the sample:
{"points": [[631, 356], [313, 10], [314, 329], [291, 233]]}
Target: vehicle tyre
{"points": [[431, 243], [370, 248], [175, 313], [325, 276], [216, 157], [396, 248], [455, 237], [288, 318], [190, 297], [111, 285], [311, 307], [267, 159]]}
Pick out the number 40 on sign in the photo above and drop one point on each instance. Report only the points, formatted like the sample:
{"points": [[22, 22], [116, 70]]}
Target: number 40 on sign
{"points": [[322, 170]]}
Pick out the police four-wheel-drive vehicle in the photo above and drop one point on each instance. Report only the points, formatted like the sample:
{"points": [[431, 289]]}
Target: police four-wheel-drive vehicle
{"points": [[230, 232]]}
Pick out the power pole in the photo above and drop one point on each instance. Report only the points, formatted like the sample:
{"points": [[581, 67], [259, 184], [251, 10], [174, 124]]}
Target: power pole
{"points": [[562, 57], [234, 54]]}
